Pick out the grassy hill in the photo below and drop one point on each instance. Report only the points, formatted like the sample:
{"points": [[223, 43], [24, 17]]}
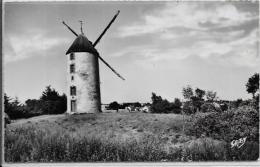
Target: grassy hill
{"points": [[103, 137], [112, 126]]}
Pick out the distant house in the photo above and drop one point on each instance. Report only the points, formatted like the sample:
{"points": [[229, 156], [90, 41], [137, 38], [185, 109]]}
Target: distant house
{"points": [[145, 109], [130, 108]]}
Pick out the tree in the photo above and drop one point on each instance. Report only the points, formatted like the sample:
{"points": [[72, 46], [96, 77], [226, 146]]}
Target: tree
{"points": [[137, 104], [187, 92], [31, 103], [63, 103], [200, 93], [160, 105], [6, 119], [13, 108], [50, 94], [198, 99], [51, 102], [177, 106], [211, 95], [114, 105], [7, 103], [188, 108], [196, 102], [253, 84], [155, 98], [34, 107], [238, 102]]}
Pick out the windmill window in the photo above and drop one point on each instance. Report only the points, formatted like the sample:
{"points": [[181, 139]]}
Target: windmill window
{"points": [[72, 78], [73, 105], [72, 56], [73, 90], [72, 68]]}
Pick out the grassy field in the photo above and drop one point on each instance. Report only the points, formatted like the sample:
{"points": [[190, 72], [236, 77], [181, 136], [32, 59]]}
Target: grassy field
{"points": [[107, 137]]}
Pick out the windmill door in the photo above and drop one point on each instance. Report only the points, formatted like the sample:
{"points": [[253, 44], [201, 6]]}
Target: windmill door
{"points": [[73, 105]]}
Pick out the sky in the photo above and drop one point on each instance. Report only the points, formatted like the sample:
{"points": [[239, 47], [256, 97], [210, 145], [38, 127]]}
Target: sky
{"points": [[158, 47]]}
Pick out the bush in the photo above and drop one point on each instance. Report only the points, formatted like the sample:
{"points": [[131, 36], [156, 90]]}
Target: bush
{"points": [[203, 149], [249, 151], [229, 125], [224, 106], [208, 149], [210, 107], [189, 108]]}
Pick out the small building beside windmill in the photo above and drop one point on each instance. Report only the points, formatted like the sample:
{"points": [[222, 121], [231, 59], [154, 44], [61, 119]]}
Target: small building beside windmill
{"points": [[83, 91]]}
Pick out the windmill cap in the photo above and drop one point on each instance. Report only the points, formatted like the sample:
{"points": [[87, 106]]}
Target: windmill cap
{"points": [[82, 44]]}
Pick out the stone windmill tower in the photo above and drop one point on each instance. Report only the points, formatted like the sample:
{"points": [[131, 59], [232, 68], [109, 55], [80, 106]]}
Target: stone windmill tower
{"points": [[83, 91]]}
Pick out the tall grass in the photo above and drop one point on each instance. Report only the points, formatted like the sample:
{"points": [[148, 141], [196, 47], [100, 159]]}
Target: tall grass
{"points": [[143, 138], [29, 144]]}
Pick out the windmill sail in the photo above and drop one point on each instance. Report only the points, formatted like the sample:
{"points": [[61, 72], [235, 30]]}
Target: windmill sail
{"points": [[70, 28], [111, 68], [99, 38], [105, 30]]}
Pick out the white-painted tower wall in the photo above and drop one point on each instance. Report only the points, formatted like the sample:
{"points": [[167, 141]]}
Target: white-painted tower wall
{"points": [[83, 91]]}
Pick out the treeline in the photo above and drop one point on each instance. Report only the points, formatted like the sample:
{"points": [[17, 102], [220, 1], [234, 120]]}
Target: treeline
{"points": [[116, 106], [205, 101], [160, 105], [50, 102]]}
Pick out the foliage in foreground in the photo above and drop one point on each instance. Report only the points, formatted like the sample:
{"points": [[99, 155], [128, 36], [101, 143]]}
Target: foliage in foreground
{"points": [[235, 123], [32, 145], [231, 125]]}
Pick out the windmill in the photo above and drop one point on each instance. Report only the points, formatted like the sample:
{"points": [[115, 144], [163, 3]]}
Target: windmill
{"points": [[83, 91]]}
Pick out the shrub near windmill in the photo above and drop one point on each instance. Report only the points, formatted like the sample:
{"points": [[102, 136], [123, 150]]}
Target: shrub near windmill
{"points": [[83, 73]]}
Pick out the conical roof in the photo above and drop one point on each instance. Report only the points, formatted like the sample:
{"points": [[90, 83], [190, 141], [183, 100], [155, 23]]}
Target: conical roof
{"points": [[82, 44]]}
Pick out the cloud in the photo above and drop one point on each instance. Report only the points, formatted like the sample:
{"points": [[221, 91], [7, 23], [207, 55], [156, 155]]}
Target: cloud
{"points": [[235, 49], [33, 43], [213, 31], [194, 16], [245, 50]]}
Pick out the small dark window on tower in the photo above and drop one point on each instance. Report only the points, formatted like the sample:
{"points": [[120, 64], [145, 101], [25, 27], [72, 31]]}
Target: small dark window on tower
{"points": [[72, 56], [73, 105], [72, 78], [72, 68], [73, 90]]}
